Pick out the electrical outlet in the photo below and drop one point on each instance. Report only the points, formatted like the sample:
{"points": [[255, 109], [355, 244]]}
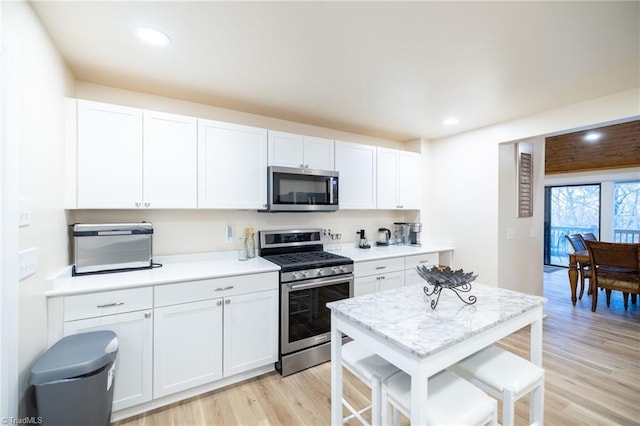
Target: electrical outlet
{"points": [[228, 234], [24, 218], [27, 262]]}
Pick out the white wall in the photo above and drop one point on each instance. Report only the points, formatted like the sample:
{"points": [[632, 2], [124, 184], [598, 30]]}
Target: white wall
{"points": [[38, 82], [524, 253], [465, 202]]}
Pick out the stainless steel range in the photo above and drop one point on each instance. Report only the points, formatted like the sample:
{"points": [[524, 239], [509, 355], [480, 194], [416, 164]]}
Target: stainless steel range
{"points": [[309, 278]]}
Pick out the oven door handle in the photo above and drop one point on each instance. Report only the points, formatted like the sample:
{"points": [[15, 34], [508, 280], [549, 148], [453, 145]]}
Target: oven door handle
{"points": [[320, 282]]}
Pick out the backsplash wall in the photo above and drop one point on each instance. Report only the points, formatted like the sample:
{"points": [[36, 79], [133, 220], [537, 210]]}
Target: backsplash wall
{"points": [[196, 231]]}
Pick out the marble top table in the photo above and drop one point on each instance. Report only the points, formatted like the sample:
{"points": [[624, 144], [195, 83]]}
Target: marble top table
{"points": [[400, 326]]}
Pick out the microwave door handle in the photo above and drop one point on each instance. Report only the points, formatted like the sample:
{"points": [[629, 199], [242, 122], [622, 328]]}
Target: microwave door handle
{"points": [[330, 190]]}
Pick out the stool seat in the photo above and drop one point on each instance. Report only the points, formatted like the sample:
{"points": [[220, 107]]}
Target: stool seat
{"points": [[500, 369], [370, 369], [504, 375], [365, 364], [450, 400]]}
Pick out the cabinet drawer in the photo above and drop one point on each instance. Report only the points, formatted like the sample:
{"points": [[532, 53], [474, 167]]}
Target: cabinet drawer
{"points": [[361, 269], [107, 303], [193, 291], [427, 259]]}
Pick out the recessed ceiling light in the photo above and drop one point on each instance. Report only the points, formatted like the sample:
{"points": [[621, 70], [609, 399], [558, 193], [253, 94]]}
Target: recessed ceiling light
{"points": [[592, 136], [451, 121], [153, 36]]}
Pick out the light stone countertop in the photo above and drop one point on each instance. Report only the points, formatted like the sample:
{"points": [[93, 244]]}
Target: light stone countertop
{"points": [[179, 268], [385, 252], [200, 266], [404, 316]]}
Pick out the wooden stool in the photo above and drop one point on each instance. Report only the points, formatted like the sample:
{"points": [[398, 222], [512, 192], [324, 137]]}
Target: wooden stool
{"points": [[450, 401], [505, 376], [370, 369]]}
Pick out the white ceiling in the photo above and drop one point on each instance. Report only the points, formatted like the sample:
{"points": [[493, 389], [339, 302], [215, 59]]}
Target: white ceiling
{"points": [[386, 69]]}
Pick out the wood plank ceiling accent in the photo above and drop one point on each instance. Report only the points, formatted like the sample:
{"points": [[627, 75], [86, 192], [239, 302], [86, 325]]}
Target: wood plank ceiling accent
{"points": [[617, 147]]}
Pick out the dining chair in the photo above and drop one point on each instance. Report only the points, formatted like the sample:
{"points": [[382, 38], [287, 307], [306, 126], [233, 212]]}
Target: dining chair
{"points": [[589, 236], [615, 266], [578, 244], [451, 400], [371, 369], [505, 376]]}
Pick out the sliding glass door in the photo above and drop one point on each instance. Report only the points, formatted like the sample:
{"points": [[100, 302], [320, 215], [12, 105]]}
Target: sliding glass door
{"points": [[573, 209]]}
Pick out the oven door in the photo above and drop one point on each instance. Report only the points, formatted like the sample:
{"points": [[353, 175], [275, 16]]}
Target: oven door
{"points": [[305, 319]]}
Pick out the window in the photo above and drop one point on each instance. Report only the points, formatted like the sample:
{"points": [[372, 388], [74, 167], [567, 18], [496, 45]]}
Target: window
{"points": [[569, 210], [626, 212]]}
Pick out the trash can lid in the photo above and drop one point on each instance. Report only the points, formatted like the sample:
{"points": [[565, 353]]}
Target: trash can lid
{"points": [[74, 356]]}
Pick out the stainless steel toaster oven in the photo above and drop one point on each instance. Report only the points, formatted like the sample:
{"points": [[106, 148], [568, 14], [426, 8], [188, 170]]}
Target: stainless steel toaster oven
{"points": [[111, 247]]}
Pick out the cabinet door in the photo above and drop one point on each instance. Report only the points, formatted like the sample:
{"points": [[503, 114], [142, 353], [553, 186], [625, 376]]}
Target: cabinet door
{"points": [[109, 156], [366, 285], [319, 153], [250, 331], [357, 167], [232, 166], [187, 347], [170, 177], [387, 179], [391, 280], [132, 384], [286, 149], [409, 180]]}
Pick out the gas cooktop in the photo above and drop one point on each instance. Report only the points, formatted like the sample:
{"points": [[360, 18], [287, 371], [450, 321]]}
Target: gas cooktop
{"points": [[307, 259]]}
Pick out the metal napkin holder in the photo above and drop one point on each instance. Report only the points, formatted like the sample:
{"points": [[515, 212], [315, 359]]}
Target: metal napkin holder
{"points": [[457, 281]]}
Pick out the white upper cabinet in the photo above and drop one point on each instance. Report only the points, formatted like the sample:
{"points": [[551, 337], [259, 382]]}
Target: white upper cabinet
{"points": [[387, 178], [409, 180], [291, 150], [398, 179], [232, 166], [356, 165], [170, 153], [130, 158], [109, 156]]}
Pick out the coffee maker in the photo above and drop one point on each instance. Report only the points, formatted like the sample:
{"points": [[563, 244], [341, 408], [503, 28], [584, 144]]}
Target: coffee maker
{"points": [[401, 233], [414, 234]]}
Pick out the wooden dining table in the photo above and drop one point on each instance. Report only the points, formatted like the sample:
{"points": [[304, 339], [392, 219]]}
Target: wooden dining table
{"points": [[400, 326], [576, 258]]}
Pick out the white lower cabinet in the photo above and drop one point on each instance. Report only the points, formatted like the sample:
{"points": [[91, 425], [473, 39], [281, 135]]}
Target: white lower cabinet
{"points": [[132, 385], [176, 337], [375, 283], [411, 262], [250, 331], [378, 275], [187, 347], [212, 329]]}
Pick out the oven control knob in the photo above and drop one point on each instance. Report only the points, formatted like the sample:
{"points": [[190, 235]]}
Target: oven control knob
{"points": [[295, 275], [343, 268], [305, 274], [320, 272], [335, 270]]}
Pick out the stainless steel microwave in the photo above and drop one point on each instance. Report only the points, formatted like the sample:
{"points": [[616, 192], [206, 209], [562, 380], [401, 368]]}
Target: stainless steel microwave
{"points": [[294, 189]]}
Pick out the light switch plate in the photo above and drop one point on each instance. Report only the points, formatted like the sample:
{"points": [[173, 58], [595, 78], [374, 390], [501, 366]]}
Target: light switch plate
{"points": [[510, 234], [24, 216], [534, 232], [28, 262]]}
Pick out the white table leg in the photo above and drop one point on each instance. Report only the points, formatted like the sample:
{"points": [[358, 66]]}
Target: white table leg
{"points": [[537, 398], [419, 382], [336, 372]]}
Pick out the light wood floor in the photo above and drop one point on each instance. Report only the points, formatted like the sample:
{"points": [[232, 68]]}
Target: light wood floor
{"points": [[592, 364]]}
